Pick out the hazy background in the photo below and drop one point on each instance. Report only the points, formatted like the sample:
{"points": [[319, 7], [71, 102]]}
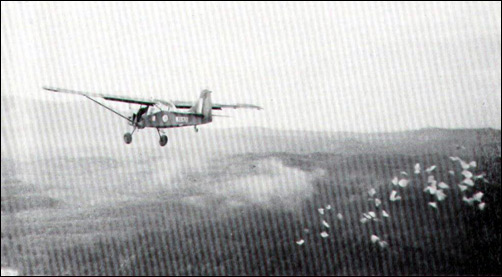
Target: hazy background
{"points": [[350, 91], [313, 66]]}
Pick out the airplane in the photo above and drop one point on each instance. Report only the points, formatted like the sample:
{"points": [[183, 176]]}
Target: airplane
{"points": [[161, 114]]}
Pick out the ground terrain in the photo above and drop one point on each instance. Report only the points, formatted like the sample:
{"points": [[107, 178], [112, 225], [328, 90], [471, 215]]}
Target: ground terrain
{"points": [[235, 201]]}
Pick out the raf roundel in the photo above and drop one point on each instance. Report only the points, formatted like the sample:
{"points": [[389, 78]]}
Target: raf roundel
{"points": [[165, 118]]}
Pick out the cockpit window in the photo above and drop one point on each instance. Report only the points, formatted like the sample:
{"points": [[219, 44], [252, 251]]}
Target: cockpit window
{"points": [[165, 105], [153, 109], [161, 106]]}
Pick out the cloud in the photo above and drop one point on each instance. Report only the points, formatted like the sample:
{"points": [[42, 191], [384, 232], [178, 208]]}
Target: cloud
{"points": [[268, 183]]}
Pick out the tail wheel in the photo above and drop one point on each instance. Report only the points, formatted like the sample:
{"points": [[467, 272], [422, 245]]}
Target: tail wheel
{"points": [[127, 138], [163, 140]]}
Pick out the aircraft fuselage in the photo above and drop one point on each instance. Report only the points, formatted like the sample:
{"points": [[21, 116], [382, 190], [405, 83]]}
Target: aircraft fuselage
{"points": [[170, 119]]}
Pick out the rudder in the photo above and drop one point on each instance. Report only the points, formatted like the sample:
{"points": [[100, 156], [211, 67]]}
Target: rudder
{"points": [[204, 105]]}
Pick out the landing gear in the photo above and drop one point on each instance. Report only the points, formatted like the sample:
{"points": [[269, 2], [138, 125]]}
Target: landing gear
{"points": [[195, 128], [163, 138], [127, 138]]}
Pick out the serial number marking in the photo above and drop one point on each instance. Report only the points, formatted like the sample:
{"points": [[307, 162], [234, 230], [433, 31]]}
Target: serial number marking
{"points": [[181, 119]]}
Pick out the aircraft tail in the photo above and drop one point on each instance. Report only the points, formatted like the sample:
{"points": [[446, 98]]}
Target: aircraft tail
{"points": [[204, 105]]}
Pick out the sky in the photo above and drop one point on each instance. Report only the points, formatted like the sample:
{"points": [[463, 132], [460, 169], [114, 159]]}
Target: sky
{"points": [[364, 67]]}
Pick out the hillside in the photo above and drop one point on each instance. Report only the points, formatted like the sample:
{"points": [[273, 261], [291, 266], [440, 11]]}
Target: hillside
{"points": [[220, 203]]}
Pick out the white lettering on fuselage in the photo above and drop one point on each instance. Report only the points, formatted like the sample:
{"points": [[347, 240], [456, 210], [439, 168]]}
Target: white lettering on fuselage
{"points": [[181, 119]]}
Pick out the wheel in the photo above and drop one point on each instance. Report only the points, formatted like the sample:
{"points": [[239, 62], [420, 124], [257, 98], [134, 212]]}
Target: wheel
{"points": [[127, 138], [163, 140]]}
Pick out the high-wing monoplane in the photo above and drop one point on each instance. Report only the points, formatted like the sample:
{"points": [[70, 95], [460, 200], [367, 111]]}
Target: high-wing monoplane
{"points": [[161, 114]]}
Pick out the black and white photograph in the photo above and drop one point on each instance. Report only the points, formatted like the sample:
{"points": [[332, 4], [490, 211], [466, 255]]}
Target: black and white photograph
{"points": [[251, 138]]}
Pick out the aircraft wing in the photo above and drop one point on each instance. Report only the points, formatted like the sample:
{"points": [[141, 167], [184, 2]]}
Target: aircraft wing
{"points": [[235, 106], [105, 96], [148, 102], [188, 105]]}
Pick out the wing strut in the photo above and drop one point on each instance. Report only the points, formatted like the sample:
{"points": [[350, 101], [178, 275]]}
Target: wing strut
{"points": [[108, 108]]}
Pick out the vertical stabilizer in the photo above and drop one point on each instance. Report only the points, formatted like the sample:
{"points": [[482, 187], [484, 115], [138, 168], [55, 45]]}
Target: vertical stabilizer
{"points": [[204, 105]]}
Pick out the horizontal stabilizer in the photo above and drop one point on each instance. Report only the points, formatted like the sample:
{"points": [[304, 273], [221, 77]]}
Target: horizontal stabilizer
{"points": [[220, 115]]}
